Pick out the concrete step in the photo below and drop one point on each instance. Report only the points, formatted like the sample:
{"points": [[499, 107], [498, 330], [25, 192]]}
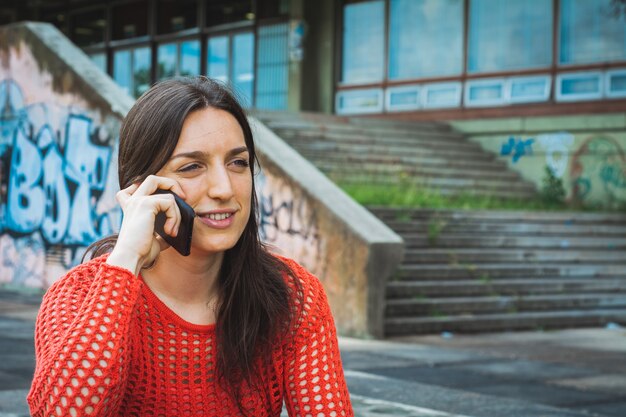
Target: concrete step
{"points": [[320, 149], [437, 188], [491, 271], [421, 240], [496, 167], [327, 121], [527, 256], [504, 322], [561, 229], [461, 185], [502, 304], [501, 216], [348, 167], [303, 135], [371, 123], [468, 288]]}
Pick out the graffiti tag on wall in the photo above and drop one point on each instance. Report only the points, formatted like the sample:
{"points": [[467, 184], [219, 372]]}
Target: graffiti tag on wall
{"points": [[557, 147], [517, 147], [53, 176], [598, 171], [287, 222]]}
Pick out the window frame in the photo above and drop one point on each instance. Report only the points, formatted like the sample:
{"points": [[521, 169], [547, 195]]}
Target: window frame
{"points": [[359, 110], [560, 97], [402, 89], [607, 83], [553, 73]]}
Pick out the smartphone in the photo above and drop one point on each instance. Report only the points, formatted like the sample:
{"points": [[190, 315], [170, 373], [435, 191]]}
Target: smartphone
{"points": [[182, 241]]}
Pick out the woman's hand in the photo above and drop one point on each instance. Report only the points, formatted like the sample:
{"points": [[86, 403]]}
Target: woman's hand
{"points": [[137, 244]]}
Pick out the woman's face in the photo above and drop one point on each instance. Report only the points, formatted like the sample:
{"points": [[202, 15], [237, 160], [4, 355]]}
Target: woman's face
{"points": [[211, 163]]}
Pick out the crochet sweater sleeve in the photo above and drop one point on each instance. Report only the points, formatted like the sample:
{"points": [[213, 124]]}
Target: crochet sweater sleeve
{"points": [[314, 382], [81, 342]]}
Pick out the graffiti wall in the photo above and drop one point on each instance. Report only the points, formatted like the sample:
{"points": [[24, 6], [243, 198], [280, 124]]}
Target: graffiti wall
{"points": [[598, 170], [56, 182], [588, 155], [288, 223]]}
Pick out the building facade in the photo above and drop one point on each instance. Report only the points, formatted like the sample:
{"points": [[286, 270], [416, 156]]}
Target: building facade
{"points": [[414, 59]]}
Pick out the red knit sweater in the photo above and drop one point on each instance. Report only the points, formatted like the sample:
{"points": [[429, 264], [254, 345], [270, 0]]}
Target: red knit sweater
{"points": [[107, 346]]}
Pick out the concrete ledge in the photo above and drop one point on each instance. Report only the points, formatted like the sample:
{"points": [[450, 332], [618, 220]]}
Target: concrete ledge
{"points": [[71, 69], [533, 125], [358, 251]]}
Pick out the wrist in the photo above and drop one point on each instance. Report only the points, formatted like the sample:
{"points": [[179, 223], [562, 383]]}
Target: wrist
{"points": [[125, 259]]}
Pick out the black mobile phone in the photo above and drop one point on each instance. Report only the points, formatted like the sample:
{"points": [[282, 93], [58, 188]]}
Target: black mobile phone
{"points": [[182, 241]]}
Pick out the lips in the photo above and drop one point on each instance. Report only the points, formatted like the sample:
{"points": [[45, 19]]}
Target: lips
{"points": [[217, 219]]}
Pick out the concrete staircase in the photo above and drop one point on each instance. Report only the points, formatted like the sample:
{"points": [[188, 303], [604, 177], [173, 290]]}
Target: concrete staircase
{"points": [[470, 271], [430, 156], [486, 271]]}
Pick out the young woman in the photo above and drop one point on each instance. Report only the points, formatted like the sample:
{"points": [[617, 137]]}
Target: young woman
{"points": [[230, 330]]}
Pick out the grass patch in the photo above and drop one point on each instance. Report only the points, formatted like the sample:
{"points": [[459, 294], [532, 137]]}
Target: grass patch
{"points": [[435, 227], [412, 196]]}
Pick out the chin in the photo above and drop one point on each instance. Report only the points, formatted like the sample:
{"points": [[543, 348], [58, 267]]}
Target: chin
{"points": [[213, 247]]}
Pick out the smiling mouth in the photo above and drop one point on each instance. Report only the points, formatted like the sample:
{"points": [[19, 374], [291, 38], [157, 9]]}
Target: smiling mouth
{"points": [[218, 216]]}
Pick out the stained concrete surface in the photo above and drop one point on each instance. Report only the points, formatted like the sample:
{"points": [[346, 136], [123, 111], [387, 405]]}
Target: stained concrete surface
{"points": [[570, 373]]}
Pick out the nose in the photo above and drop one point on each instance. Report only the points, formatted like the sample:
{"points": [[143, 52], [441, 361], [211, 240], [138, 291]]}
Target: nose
{"points": [[219, 185]]}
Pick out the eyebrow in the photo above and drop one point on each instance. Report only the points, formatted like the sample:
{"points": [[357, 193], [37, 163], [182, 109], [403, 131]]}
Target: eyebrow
{"points": [[200, 154]]}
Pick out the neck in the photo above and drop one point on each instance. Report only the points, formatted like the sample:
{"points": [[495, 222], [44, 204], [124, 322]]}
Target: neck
{"points": [[189, 279]]}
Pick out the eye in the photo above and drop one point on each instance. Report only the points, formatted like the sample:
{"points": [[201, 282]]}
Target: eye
{"points": [[243, 163], [189, 168]]}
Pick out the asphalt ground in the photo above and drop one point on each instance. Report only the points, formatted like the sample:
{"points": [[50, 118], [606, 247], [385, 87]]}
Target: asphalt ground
{"points": [[567, 373]]}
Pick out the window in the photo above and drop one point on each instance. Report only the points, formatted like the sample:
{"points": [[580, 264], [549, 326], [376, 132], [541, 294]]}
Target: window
{"points": [[243, 67], [590, 32], [363, 42], [175, 59], [425, 38], [272, 67], [484, 92], [616, 83], [509, 35], [269, 9], [130, 20], [122, 65], [190, 58], [142, 58], [579, 86], [442, 95], [219, 12], [167, 55], [131, 70], [359, 101], [403, 98], [176, 15], [529, 89], [88, 28], [218, 56], [230, 59]]}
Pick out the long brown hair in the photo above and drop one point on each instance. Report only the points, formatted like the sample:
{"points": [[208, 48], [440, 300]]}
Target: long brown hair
{"points": [[256, 305]]}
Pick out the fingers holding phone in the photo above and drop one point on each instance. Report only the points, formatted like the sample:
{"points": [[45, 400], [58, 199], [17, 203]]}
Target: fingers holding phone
{"points": [[137, 244]]}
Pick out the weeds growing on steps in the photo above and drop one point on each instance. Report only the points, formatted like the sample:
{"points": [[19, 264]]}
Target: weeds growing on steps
{"points": [[412, 196]]}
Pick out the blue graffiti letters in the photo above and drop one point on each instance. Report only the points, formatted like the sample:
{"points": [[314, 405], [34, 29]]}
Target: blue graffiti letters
{"points": [[517, 147], [25, 197], [54, 192], [57, 213]]}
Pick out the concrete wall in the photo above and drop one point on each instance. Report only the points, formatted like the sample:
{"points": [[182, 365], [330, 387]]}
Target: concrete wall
{"points": [[308, 218], [58, 129], [59, 124], [587, 152]]}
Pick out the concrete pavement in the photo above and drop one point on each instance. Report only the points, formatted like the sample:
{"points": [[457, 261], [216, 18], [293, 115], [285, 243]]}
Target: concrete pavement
{"points": [[572, 373]]}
